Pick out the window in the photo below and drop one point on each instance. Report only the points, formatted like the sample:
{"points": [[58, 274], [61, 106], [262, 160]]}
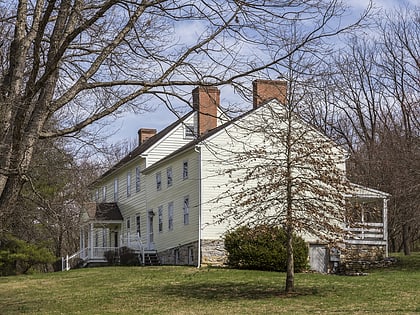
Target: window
{"points": [[171, 216], [189, 131], [160, 217], [158, 181], [137, 178], [128, 231], [186, 210], [128, 184], [97, 195], [104, 193], [190, 255], [116, 189], [169, 176], [185, 170], [138, 230]]}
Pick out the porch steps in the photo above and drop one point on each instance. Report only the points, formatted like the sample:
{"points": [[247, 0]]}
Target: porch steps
{"points": [[151, 259]]}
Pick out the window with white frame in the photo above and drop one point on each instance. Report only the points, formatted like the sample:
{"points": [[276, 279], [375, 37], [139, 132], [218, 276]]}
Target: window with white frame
{"points": [[158, 181], [160, 218], [169, 176], [171, 216], [138, 226], [138, 178], [97, 195], [116, 189], [103, 193], [186, 208], [189, 131], [190, 255], [128, 230], [185, 170], [128, 183]]}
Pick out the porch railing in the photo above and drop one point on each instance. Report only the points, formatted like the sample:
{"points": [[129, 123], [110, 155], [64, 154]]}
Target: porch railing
{"points": [[135, 243], [94, 254], [97, 254], [366, 234]]}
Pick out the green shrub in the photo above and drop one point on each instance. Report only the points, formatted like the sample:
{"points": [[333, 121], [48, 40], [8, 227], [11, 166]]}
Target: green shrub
{"points": [[263, 248], [128, 257], [18, 256]]}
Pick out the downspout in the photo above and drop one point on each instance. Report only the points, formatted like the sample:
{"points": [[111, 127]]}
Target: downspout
{"points": [[199, 204]]}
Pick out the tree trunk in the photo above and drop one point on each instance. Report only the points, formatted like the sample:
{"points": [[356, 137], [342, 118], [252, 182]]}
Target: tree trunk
{"points": [[8, 200], [406, 240], [290, 270]]}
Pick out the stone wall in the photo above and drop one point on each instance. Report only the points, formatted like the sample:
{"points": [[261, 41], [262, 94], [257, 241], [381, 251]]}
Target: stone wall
{"points": [[213, 253], [364, 252], [360, 258], [180, 255]]}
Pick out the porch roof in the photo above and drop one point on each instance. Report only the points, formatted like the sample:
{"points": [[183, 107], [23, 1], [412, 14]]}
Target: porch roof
{"points": [[361, 192], [108, 212]]}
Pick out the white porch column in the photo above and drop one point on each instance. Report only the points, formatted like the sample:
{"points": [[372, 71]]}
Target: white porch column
{"points": [[385, 221], [90, 237]]}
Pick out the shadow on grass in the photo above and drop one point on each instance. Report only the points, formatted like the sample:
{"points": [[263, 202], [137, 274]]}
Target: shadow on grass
{"points": [[225, 291]]}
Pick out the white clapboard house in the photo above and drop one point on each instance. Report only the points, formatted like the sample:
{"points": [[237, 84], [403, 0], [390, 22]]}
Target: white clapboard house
{"points": [[160, 200]]}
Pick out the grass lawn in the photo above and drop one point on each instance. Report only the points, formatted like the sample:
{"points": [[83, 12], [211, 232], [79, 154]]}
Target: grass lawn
{"points": [[187, 290]]}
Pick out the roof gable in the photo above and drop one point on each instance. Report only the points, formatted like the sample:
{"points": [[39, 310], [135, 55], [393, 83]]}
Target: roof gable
{"points": [[145, 147], [214, 132]]}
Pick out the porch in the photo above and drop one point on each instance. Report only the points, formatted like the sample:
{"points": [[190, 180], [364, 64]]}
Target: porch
{"points": [[367, 220], [102, 240]]}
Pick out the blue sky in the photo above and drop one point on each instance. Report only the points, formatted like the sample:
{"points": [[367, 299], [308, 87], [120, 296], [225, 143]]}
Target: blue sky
{"points": [[126, 126]]}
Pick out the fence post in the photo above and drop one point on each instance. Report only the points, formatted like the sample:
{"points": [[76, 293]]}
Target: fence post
{"points": [[67, 263]]}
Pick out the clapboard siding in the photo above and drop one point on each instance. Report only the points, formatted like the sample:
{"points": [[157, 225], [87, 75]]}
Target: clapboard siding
{"points": [[218, 153], [173, 141], [180, 234]]}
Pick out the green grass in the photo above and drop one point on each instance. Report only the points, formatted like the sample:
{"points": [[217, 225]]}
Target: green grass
{"points": [[186, 290]]}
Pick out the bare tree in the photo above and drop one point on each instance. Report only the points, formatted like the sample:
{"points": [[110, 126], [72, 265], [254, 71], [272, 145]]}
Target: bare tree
{"points": [[372, 96], [286, 173], [80, 61]]}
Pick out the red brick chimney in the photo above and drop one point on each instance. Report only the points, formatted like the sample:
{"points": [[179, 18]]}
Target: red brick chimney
{"points": [[145, 134], [264, 90], [206, 100]]}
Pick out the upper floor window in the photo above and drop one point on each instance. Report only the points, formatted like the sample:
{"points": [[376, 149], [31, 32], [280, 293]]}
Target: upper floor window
{"points": [[97, 195], [186, 210], [171, 216], [185, 170], [158, 181], [160, 217], [169, 176], [128, 184], [137, 178], [103, 193], [116, 189], [189, 131]]}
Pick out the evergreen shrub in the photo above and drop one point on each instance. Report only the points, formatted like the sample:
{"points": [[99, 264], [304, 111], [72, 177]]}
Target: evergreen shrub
{"points": [[18, 256], [263, 247]]}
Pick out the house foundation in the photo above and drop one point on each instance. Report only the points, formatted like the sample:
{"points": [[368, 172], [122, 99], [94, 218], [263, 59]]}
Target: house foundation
{"points": [[181, 255], [213, 253]]}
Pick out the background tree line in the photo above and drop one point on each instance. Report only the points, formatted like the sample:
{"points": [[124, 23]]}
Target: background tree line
{"points": [[118, 54]]}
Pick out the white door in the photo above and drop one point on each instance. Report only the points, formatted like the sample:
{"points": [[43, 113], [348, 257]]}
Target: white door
{"points": [[150, 241], [318, 258]]}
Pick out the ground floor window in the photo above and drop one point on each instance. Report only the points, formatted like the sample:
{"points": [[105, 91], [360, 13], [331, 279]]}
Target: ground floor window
{"points": [[190, 255]]}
